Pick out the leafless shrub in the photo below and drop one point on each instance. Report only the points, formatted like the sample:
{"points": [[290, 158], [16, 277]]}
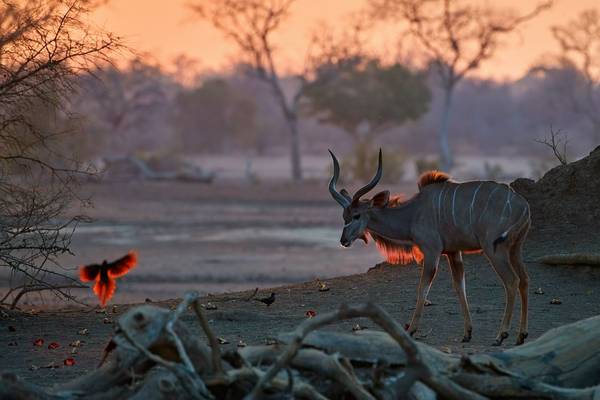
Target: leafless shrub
{"points": [[44, 45], [558, 142]]}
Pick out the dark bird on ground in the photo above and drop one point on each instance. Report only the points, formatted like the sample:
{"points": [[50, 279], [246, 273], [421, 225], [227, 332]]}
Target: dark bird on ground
{"points": [[267, 300], [105, 275]]}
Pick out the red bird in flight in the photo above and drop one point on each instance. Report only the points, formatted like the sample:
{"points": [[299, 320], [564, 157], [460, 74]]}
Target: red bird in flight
{"points": [[105, 275]]}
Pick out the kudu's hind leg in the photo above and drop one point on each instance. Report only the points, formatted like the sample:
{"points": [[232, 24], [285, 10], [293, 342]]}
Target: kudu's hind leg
{"points": [[500, 260], [428, 272], [458, 281], [516, 261]]}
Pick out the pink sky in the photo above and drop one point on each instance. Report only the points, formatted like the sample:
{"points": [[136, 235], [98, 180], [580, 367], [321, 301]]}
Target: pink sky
{"points": [[165, 29]]}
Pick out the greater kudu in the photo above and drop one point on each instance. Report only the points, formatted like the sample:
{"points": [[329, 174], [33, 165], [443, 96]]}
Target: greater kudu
{"points": [[445, 218]]}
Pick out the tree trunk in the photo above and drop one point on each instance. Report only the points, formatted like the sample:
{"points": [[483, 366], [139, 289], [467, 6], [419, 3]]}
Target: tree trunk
{"points": [[291, 118], [292, 121], [446, 159]]}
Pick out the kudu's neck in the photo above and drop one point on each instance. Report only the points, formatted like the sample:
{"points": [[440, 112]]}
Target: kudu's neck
{"points": [[393, 222]]}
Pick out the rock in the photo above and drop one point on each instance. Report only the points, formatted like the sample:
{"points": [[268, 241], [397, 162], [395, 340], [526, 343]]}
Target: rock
{"points": [[566, 197]]}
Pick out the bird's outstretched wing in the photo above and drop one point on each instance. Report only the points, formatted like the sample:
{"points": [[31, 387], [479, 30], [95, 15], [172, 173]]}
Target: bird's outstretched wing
{"points": [[123, 265], [89, 273]]}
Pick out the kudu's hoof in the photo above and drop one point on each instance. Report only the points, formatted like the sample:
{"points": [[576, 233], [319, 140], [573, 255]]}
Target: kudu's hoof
{"points": [[407, 329], [500, 339], [468, 336], [521, 338]]}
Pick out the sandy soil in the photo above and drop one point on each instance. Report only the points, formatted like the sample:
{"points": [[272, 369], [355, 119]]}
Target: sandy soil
{"points": [[284, 251]]}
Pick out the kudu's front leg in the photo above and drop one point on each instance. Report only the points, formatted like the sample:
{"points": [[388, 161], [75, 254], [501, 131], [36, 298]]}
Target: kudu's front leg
{"points": [[428, 272]]}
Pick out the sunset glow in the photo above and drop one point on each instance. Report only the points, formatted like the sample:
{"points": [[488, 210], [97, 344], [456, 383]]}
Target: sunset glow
{"points": [[165, 30]]}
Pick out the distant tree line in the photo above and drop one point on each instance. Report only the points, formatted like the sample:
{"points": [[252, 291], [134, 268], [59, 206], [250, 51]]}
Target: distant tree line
{"points": [[233, 112], [346, 95]]}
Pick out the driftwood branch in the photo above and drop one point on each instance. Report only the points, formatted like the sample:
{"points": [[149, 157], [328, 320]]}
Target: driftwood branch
{"points": [[570, 259], [186, 373], [188, 379], [188, 299], [329, 366], [217, 365]]}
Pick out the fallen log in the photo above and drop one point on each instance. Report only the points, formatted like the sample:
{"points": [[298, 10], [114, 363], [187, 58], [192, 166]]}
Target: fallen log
{"points": [[156, 356], [570, 259]]}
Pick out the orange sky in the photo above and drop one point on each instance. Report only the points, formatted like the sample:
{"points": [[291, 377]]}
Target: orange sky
{"points": [[166, 29]]}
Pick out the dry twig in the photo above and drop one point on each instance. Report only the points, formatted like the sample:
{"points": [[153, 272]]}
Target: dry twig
{"points": [[557, 144], [217, 366]]}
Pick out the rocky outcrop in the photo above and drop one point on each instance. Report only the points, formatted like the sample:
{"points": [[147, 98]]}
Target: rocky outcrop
{"points": [[567, 196]]}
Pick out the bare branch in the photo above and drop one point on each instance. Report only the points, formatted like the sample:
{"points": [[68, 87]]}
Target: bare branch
{"points": [[188, 299], [212, 339], [44, 47], [24, 289], [558, 145]]}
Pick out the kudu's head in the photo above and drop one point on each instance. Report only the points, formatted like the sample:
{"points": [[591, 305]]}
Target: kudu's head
{"points": [[356, 210]]}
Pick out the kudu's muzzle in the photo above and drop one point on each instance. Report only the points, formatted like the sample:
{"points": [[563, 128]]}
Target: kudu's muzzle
{"points": [[345, 242]]}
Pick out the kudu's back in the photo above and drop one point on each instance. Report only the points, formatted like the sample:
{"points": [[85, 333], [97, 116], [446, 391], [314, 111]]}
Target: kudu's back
{"points": [[472, 215]]}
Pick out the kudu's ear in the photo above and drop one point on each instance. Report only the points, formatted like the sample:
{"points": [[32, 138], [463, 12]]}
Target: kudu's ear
{"points": [[381, 199]]}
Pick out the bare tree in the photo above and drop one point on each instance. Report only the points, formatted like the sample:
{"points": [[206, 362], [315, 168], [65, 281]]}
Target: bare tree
{"points": [[456, 36], [44, 45], [557, 141], [126, 105], [250, 24], [579, 41]]}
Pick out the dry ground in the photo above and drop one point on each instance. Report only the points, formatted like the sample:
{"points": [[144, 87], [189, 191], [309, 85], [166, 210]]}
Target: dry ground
{"points": [[286, 208]]}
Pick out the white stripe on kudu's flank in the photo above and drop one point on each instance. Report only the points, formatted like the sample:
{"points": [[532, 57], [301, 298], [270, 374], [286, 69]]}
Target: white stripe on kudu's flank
{"points": [[453, 201], [473, 204], [439, 210], [518, 220], [488, 202], [507, 203]]}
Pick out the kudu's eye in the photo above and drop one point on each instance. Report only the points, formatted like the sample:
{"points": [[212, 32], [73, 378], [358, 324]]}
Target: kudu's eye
{"points": [[357, 216]]}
